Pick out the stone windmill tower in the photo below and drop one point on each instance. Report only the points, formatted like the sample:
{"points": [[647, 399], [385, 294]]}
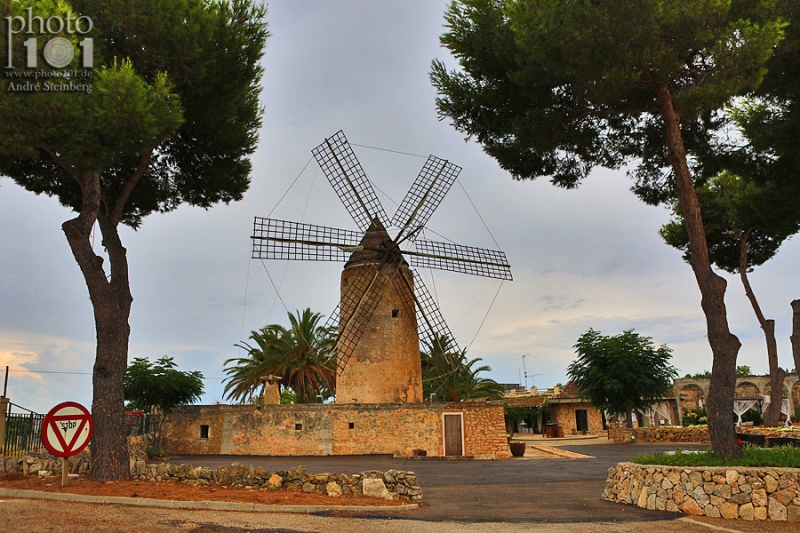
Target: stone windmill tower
{"points": [[385, 307]]}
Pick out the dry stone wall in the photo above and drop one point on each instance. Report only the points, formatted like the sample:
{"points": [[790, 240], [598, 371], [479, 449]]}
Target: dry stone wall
{"points": [[389, 485], [690, 433], [734, 492], [45, 464], [661, 434]]}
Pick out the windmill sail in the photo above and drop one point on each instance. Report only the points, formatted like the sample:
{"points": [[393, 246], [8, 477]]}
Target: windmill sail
{"points": [[458, 258], [430, 321], [425, 195], [281, 239], [344, 172]]}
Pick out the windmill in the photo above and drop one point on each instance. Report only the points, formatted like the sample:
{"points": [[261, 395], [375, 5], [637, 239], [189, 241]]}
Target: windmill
{"points": [[385, 308]]}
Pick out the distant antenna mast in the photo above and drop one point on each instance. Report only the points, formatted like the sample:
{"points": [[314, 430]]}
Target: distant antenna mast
{"points": [[524, 370]]}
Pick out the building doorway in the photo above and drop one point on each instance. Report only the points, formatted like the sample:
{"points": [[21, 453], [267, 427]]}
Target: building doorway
{"points": [[453, 434], [581, 420]]}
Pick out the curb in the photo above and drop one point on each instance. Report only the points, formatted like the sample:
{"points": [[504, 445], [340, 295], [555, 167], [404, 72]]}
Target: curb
{"points": [[209, 505], [561, 453]]}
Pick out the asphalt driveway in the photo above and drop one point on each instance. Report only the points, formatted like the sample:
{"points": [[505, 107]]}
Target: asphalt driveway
{"points": [[514, 490]]}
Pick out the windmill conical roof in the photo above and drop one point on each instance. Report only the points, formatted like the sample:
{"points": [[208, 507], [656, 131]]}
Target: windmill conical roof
{"points": [[376, 242]]}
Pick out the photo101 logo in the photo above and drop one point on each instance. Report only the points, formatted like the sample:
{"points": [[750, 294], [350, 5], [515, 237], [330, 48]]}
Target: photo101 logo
{"points": [[44, 38]]}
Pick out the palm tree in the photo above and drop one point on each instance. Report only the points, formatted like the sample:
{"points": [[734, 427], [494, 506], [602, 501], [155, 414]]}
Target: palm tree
{"points": [[449, 374], [302, 356]]}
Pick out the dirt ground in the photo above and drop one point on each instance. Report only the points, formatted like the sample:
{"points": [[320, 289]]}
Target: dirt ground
{"points": [[172, 490]]}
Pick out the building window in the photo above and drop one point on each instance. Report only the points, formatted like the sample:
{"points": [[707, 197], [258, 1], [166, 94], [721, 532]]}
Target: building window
{"points": [[395, 313], [203, 431], [581, 420], [352, 425], [298, 426]]}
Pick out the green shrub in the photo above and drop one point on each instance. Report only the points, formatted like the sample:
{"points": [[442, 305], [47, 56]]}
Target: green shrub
{"points": [[753, 416], [695, 417], [781, 457], [156, 453]]}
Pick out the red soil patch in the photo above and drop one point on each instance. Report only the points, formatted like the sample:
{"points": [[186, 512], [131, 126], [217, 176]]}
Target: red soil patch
{"points": [[173, 490]]}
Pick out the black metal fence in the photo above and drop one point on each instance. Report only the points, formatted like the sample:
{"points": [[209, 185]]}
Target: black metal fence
{"points": [[23, 432], [141, 423], [24, 429]]}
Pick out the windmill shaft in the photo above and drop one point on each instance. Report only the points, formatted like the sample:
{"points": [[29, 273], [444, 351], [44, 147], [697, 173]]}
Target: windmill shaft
{"points": [[457, 259], [343, 247]]}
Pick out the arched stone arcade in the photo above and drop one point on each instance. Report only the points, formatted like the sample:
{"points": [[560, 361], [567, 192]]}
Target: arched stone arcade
{"points": [[691, 391]]}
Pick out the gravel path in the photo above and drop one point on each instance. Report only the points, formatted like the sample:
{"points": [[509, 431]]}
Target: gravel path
{"points": [[42, 516]]}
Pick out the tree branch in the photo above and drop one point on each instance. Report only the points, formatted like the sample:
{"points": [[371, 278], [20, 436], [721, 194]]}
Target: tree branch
{"points": [[63, 164], [116, 215], [743, 252], [117, 255], [776, 374], [795, 337], [78, 230]]}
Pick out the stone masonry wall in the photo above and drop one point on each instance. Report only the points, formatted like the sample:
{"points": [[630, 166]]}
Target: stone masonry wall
{"points": [[384, 366], [484, 431], [321, 429], [564, 416], [745, 493]]}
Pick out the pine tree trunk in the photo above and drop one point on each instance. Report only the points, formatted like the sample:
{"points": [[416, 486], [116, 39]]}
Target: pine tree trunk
{"points": [[724, 345], [111, 301], [776, 377], [776, 373], [795, 338]]}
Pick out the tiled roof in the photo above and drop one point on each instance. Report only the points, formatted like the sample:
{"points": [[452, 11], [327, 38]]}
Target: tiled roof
{"points": [[525, 401], [569, 392]]}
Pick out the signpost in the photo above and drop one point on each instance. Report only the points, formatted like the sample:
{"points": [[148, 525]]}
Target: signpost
{"points": [[66, 430]]}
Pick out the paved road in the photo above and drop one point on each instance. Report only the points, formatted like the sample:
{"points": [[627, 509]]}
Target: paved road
{"points": [[518, 495], [516, 490]]}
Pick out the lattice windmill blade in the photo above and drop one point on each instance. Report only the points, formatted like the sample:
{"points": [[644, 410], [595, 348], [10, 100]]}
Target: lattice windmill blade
{"points": [[331, 322], [458, 258], [425, 195], [344, 172], [429, 317], [281, 239]]}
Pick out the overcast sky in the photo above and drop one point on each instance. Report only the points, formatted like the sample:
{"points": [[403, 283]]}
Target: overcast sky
{"points": [[584, 258]]}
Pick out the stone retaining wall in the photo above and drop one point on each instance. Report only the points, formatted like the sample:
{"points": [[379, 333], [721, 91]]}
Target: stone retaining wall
{"points": [[661, 434], [745, 493], [770, 432], [45, 463], [389, 485], [690, 433], [35, 462]]}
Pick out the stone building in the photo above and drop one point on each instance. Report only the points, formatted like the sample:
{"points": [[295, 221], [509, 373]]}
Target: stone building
{"points": [[474, 429], [574, 415]]}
